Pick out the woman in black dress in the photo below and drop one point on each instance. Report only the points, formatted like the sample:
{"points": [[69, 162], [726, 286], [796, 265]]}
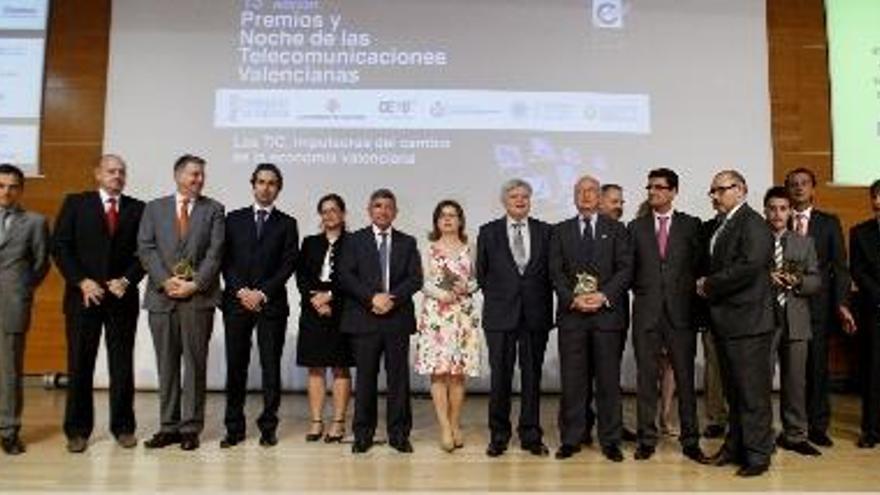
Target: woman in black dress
{"points": [[320, 344]]}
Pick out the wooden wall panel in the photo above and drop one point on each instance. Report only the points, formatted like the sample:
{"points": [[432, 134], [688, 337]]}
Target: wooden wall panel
{"points": [[801, 122], [71, 142]]}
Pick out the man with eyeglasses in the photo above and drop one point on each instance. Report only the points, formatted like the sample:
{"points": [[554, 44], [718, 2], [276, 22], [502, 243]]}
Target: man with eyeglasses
{"points": [[740, 298], [666, 245]]}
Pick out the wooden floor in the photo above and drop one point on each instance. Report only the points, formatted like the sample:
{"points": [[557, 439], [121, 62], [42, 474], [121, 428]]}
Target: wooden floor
{"points": [[295, 466]]}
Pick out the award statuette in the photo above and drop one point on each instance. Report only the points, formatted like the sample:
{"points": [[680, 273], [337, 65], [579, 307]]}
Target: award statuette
{"points": [[184, 269], [586, 283], [448, 279]]}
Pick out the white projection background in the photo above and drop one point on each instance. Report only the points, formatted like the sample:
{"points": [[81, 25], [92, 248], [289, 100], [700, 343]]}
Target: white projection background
{"points": [[435, 99]]}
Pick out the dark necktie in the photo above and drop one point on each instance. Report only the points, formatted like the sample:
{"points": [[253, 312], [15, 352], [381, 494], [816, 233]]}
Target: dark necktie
{"points": [[261, 222], [383, 260]]}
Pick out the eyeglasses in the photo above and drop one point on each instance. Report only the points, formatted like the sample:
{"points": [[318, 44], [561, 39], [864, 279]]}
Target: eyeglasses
{"points": [[657, 187], [720, 189]]}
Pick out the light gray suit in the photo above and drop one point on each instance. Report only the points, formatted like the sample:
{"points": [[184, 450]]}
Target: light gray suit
{"points": [[790, 342], [182, 328], [24, 261]]}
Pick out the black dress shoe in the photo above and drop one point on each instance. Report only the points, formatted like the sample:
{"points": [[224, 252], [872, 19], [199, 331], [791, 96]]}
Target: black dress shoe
{"points": [[695, 453], [189, 441], [644, 452], [162, 439], [714, 431], [536, 448], [613, 453], [565, 451], [231, 440], [13, 445], [722, 458], [268, 439], [314, 437], [820, 438], [628, 435], [751, 470], [866, 442], [495, 449], [402, 446], [361, 446], [803, 447], [77, 445]]}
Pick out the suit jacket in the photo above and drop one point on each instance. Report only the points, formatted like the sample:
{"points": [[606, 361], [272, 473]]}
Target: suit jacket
{"points": [[360, 278], [665, 285], [24, 262], [612, 261], [264, 264], [308, 279], [83, 248], [827, 235], [700, 314], [800, 250], [159, 249], [738, 284], [507, 295], [864, 249]]}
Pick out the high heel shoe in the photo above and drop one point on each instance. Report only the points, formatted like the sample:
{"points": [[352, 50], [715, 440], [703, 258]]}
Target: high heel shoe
{"points": [[314, 437], [336, 438], [457, 439], [446, 440]]}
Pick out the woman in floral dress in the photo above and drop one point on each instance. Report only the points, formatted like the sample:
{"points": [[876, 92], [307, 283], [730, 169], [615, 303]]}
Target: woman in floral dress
{"points": [[448, 341]]}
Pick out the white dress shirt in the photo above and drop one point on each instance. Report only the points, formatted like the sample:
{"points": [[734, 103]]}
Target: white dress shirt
{"points": [[511, 233]]}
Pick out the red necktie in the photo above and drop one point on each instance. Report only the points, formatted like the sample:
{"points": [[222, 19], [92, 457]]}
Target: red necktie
{"points": [[663, 235], [112, 216]]}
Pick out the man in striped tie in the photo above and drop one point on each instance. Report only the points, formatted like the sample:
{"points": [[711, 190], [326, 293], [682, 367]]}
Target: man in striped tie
{"points": [[795, 277]]}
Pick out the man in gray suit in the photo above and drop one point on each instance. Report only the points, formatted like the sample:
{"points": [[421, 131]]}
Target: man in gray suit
{"points": [[795, 276], [740, 301], [24, 261], [180, 243]]}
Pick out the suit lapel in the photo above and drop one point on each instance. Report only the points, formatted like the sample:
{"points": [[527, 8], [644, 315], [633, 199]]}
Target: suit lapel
{"points": [[15, 223], [534, 239], [96, 205], [505, 238], [726, 232]]}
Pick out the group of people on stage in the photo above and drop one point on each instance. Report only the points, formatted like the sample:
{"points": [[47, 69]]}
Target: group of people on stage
{"points": [[768, 289]]}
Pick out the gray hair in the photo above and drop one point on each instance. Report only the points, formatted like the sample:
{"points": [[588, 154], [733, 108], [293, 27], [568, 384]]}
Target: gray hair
{"points": [[587, 178], [735, 176], [112, 156], [515, 183]]}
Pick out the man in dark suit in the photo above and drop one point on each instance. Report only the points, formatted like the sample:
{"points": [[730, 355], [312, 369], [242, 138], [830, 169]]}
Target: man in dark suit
{"points": [[24, 261], [591, 268], [513, 272], [180, 243], [795, 276], [828, 306], [864, 248], [379, 271], [611, 204], [666, 247], [95, 247], [259, 256], [740, 299]]}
